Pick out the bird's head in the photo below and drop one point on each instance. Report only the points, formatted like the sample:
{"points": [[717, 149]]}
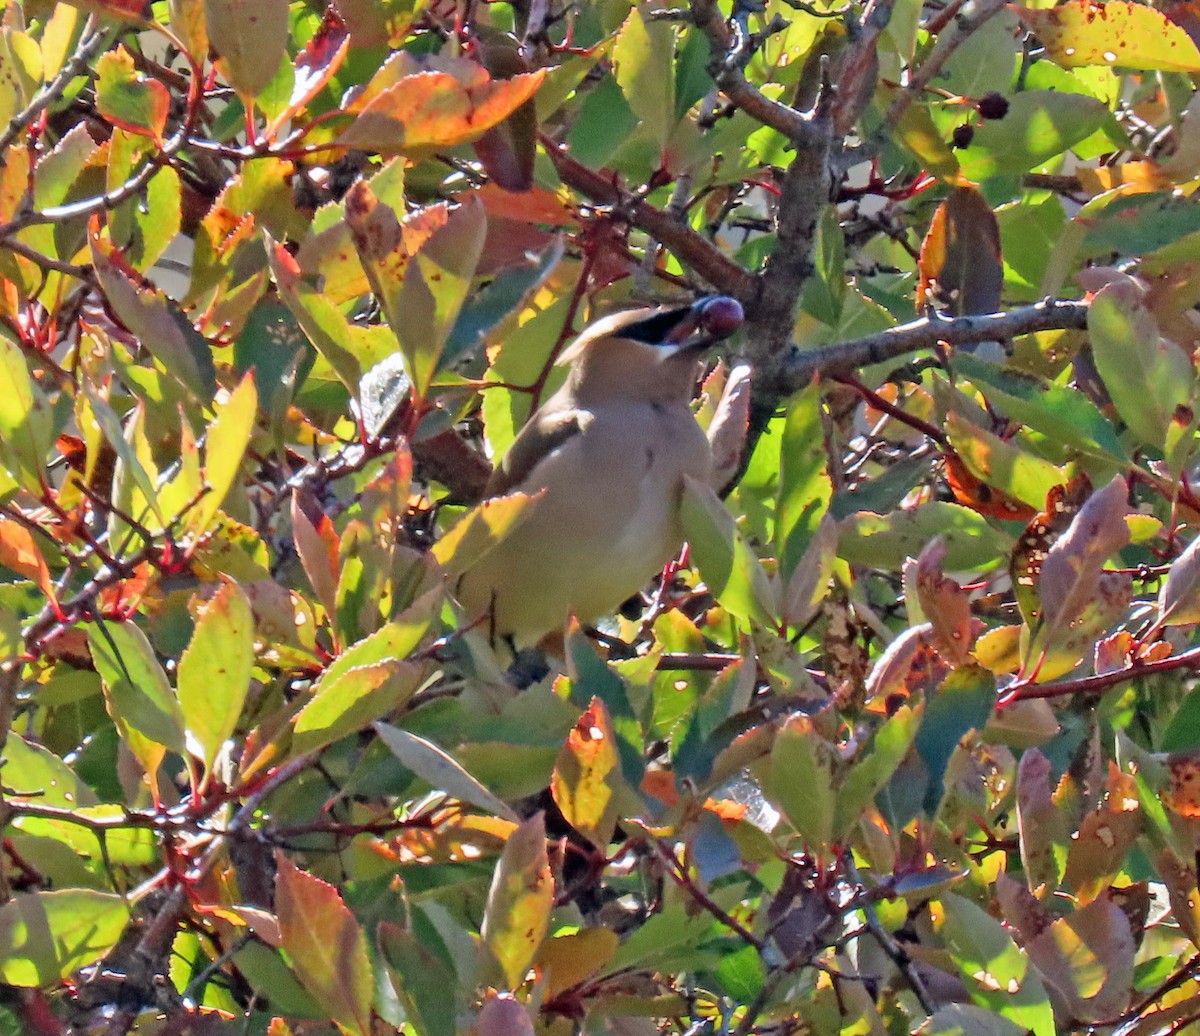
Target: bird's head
{"points": [[648, 350]]}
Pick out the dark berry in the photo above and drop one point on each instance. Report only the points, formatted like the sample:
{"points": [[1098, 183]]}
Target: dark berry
{"points": [[721, 316], [962, 135], [993, 106]]}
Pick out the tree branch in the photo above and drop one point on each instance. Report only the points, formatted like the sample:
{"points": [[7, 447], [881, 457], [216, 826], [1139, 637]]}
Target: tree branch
{"points": [[1050, 315], [694, 251]]}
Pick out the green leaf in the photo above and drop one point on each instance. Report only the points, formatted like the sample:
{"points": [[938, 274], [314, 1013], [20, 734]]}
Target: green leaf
{"points": [[871, 772], [228, 436], [134, 102], [424, 981], [34, 772], [1063, 414], [1147, 376], [963, 703], [801, 782], [440, 770], [26, 420], [46, 936], [1039, 126], [250, 36], [884, 541], [327, 948], [138, 693], [726, 561], [643, 58], [1001, 464], [215, 670], [804, 485], [997, 972]]}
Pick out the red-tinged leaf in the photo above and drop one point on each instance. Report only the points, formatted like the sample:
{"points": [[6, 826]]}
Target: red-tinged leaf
{"points": [[1183, 793], [976, 494], [1033, 546], [453, 102], [507, 150], [250, 38], [19, 552], [1042, 827], [48, 935], [1116, 33], [502, 1014], [945, 604], [1017, 474], [124, 10], [326, 946], [587, 777], [215, 670], [911, 666], [130, 100], [316, 64], [317, 544], [960, 265], [520, 901], [1070, 576]]}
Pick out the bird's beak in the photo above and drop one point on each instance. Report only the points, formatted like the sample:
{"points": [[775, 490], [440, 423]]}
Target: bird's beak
{"points": [[701, 325]]}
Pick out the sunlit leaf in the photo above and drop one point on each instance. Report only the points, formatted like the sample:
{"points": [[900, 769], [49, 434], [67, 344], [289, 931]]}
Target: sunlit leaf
{"points": [[520, 900], [326, 947], [1084, 32], [133, 101], [587, 777], [45, 936], [250, 38]]}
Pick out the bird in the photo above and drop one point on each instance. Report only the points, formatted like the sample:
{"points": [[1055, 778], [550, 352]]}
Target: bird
{"points": [[605, 458]]}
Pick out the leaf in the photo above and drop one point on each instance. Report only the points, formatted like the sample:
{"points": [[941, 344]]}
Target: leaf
{"points": [[440, 770], [315, 65], [884, 541], [1070, 575], [452, 101], [960, 267], [1039, 125], [965, 1020], [228, 437], [520, 901], [1079, 33], [587, 777], [19, 552], [1042, 828], [570, 959], [1064, 414], [1001, 464], [961, 704], [326, 947], [46, 936], [727, 563], [317, 545], [805, 488], [1148, 377], [998, 974], [801, 782], [642, 65], [136, 689], [435, 287], [1098, 850], [137, 11], [482, 530], [250, 38], [943, 602], [215, 670], [423, 981], [157, 324], [26, 420], [132, 101], [871, 771]]}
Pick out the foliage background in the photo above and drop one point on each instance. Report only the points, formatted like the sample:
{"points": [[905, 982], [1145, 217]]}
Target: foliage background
{"points": [[908, 739]]}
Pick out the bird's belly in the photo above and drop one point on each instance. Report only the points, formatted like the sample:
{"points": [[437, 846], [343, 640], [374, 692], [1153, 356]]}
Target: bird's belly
{"points": [[599, 534]]}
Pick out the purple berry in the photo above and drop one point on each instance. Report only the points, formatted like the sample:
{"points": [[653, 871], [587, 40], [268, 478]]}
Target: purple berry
{"points": [[721, 316]]}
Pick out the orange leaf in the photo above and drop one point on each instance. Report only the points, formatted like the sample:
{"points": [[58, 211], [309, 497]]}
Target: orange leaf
{"points": [[452, 103], [19, 552], [1082, 32]]}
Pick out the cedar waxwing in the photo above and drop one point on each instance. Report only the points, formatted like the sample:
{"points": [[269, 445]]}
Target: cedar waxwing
{"points": [[608, 452]]}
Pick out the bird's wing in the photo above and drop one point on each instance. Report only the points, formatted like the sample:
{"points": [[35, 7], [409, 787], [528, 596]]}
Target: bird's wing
{"points": [[542, 434]]}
